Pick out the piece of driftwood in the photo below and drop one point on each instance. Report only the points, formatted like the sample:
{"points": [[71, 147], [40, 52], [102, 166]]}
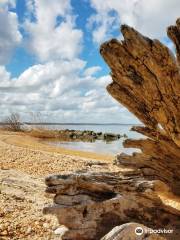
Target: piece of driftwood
{"points": [[146, 80], [91, 204], [129, 231]]}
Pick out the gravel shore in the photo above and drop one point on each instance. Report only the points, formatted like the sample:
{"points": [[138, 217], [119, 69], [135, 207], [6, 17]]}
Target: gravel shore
{"points": [[24, 162]]}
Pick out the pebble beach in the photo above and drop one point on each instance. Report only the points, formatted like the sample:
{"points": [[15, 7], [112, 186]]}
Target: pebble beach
{"points": [[24, 163]]}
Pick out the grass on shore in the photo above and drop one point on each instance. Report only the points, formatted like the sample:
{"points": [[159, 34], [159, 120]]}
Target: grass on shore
{"points": [[44, 133]]}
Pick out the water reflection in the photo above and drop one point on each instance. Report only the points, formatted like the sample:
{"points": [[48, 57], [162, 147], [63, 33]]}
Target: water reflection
{"points": [[99, 146]]}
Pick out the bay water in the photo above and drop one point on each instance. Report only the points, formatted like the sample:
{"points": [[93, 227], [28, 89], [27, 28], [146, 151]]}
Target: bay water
{"points": [[98, 146]]}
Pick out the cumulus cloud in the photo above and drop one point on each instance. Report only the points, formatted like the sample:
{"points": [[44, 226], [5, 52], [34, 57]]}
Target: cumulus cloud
{"points": [[52, 30], [61, 90], [150, 18], [4, 76], [92, 70], [60, 86], [10, 36]]}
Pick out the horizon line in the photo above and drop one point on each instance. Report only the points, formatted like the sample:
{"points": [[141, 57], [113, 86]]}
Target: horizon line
{"points": [[63, 123]]}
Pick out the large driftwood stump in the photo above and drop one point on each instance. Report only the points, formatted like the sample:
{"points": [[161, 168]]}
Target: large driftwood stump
{"points": [[146, 79]]}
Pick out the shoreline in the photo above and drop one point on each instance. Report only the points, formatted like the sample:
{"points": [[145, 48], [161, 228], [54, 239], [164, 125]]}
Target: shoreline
{"points": [[21, 139], [24, 163]]}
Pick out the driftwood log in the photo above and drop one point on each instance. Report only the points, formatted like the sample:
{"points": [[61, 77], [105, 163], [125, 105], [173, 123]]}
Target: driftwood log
{"points": [[127, 232], [146, 80]]}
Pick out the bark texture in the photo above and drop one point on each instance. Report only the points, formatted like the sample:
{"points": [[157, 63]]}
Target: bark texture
{"points": [[146, 80]]}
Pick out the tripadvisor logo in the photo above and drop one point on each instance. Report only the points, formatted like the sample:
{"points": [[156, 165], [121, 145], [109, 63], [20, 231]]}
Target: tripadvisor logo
{"points": [[139, 231]]}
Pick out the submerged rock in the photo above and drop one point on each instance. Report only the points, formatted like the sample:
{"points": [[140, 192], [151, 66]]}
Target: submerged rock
{"points": [[87, 135], [111, 136]]}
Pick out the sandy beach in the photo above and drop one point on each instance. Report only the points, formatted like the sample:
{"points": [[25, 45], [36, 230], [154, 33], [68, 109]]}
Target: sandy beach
{"points": [[32, 156], [24, 163]]}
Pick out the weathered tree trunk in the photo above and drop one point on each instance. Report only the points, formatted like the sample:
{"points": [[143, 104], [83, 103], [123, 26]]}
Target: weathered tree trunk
{"points": [[146, 80]]}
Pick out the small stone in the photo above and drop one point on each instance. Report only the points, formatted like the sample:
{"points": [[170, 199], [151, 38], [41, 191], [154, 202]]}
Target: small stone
{"points": [[61, 230], [4, 233], [1, 226], [6, 224], [45, 225], [29, 230], [36, 223]]}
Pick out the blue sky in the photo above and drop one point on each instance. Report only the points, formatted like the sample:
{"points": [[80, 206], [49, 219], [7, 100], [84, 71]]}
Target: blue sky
{"points": [[50, 61], [21, 59]]}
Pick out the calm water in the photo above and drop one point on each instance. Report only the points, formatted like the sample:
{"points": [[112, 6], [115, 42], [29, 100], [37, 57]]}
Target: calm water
{"points": [[98, 146]]}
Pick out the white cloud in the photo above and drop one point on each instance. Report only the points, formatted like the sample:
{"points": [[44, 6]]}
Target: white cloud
{"points": [[4, 76], [10, 35], [150, 18], [53, 34], [61, 92], [8, 3], [92, 70], [102, 25], [50, 72], [60, 87]]}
